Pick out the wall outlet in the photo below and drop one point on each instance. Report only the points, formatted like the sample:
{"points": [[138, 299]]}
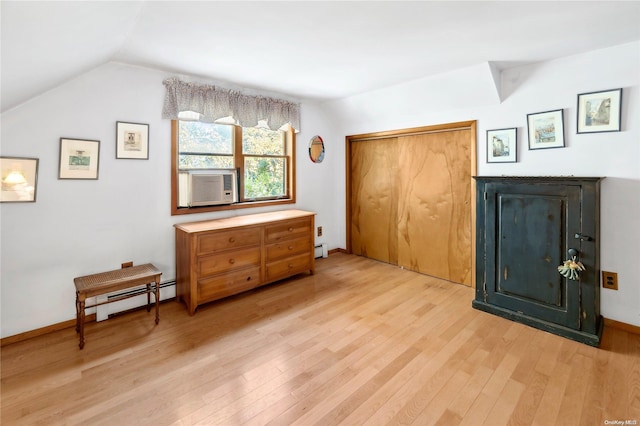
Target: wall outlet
{"points": [[319, 231], [127, 265], [610, 280]]}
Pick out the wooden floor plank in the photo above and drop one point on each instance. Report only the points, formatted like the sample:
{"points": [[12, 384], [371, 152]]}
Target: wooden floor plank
{"points": [[358, 342]]}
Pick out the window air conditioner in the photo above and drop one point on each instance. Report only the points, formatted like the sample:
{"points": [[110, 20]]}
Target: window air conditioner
{"points": [[209, 187]]}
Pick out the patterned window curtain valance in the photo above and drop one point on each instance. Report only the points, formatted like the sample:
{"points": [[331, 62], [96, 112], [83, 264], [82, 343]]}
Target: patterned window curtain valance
{"points": [[214, 103]]}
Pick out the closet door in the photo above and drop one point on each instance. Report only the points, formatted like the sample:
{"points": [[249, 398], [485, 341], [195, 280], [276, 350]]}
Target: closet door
{"points": [[434, 197], [374, 194], [409, 199]]}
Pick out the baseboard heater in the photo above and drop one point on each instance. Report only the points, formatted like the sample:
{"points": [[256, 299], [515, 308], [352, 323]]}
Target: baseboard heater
{"points": [[321, 250], [108, 310]]}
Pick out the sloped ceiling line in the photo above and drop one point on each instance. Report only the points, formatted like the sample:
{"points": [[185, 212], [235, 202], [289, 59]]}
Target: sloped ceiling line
{"points": [[318, 50]]}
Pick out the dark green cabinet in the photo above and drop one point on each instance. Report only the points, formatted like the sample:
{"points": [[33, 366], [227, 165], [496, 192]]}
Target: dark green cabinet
{"points": [[527, 227]]}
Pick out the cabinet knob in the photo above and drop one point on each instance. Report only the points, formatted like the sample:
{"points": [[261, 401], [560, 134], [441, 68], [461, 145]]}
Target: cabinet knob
{"points": [[290, 265], [232, 240], [232, 261], [290, 247], [248, 278], [291, 229]]}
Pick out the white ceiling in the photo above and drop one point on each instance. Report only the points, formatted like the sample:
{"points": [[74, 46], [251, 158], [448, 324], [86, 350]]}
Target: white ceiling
{"points": [[315, 50]]}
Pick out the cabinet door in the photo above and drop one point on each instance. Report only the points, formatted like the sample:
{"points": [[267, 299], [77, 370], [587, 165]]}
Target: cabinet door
{"points": [[529, 230]]}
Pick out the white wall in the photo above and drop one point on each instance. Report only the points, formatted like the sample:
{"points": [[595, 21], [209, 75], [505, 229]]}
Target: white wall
{"points": [[467, 95], [81, 227]]}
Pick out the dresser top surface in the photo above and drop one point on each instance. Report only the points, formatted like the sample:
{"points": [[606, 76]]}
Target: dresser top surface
{"points": [[243, 220]]}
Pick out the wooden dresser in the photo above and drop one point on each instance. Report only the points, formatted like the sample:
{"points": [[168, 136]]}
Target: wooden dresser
{"points": [[221, 257]]}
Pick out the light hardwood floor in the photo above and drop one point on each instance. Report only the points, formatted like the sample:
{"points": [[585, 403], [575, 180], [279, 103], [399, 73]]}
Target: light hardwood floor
{"points": [[359, 342]]}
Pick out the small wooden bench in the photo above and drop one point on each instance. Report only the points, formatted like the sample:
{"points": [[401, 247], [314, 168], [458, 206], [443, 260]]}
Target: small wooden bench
{"points": [[120, 279]]}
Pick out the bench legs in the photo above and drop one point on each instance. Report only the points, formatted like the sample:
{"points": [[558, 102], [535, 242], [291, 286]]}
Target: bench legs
{"points": [[80, 301], [148, 297], [157, 294], [80, 307]]}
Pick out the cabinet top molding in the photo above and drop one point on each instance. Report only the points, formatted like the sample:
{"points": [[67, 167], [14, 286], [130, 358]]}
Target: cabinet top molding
{"points": [[541, 178]]}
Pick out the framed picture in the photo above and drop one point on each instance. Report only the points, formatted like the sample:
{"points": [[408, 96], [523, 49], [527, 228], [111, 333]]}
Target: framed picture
{"points": [[599, 111], [78, 159], [502, 145], [19, 179], [546, 129], [132, 140]]}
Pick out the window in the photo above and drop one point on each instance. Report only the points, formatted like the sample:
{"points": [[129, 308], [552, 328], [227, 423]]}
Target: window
{"points": [[261, 158], [265, 163], [205, 146]]}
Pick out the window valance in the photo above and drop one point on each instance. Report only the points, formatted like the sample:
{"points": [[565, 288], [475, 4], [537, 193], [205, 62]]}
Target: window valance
{"points": [[214, 103]]}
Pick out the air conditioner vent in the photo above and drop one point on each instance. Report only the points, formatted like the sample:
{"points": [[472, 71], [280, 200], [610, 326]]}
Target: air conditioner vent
{"points": [[210, 187]]}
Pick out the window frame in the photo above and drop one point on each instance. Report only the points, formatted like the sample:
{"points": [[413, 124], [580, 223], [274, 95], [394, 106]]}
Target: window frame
{"points": [[290, 150]]}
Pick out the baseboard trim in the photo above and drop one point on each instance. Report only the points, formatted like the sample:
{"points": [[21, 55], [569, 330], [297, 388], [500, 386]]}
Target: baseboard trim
{"points": [[634, 329], [42, 331], [337, 250], [65, 324]]}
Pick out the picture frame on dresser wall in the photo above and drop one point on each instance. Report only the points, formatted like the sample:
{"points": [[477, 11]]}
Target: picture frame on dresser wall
{"points": [[19, 179], [132, 141], [546, 129], [502, 145], [599, 112], [79, 159]]}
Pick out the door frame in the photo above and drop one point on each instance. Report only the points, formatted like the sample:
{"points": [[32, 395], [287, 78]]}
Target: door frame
{"points": [[473, 167]]}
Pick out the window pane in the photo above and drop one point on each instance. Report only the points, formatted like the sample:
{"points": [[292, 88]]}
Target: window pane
{"points": [[262, 141], [205, 137], [264, 177], [205, 162]]}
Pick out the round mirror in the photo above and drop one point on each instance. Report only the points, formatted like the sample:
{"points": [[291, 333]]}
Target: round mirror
{"points": [[316, 149]]}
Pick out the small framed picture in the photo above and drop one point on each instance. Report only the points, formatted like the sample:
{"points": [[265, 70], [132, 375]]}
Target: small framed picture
{"points": [[132, 140], [502, 145], [599, 111], [546, 129], [19, 179], [79, 159]]}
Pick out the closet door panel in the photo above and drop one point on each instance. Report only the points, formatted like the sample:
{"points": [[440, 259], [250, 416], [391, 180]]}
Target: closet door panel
{"points": [[374, 193], [434, 215]]}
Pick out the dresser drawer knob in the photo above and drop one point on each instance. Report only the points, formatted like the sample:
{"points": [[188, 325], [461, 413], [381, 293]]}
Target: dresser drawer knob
{"points": [[290, 247], [232, 240], [248, 278], [232, 261], [290, 265], [291, 229]]}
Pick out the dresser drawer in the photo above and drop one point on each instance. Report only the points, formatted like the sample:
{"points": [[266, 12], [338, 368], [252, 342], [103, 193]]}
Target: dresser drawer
{"points": [[288, 248], [290, 229], [227, 284], [218, 241], [225, 261], [288, 266]]}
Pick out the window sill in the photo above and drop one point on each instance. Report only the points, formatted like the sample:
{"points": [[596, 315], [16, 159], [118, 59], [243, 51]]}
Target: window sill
{"points": [[175, 211]]}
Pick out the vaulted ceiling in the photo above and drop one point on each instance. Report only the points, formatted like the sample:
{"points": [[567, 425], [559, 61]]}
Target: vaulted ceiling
{"points": [[305, 49]]}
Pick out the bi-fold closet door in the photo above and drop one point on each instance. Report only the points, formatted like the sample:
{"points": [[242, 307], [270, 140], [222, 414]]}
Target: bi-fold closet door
{"points": [[410, 200]]}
